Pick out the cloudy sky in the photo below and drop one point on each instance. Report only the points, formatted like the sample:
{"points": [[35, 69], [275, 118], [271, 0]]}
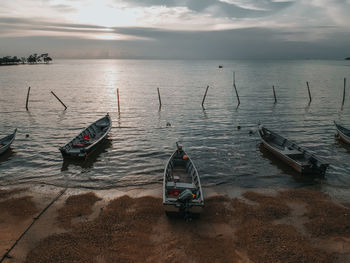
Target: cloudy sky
{"points": [[193, 29]]}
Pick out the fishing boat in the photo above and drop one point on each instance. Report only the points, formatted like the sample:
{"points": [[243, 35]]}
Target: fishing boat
{"points": [[182, 190], [297, 157], [342, 133], [88, 140], [6, 142]]}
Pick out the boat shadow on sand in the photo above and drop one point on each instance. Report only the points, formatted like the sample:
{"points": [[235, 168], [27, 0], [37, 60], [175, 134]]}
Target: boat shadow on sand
{"points": [[88, 162], [285, 168]]}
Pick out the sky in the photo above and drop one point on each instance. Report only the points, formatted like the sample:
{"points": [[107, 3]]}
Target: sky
{"points": [[176, 29]]}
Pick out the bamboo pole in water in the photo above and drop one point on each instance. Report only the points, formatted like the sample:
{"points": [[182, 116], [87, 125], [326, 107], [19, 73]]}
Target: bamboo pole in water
{"points": [[234, 85], [308, 88], [65, 107], [342, 104], [274, 93], [160, 101], [118, 100], [205, 95], [27, 98]]}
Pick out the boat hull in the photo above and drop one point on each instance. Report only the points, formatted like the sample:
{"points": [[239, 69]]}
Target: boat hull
{"points": [[282, 157], [7, 141], [308, 164], [75, 149], [172, 209]]}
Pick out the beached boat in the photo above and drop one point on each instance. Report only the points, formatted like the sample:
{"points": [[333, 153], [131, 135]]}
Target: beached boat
{"points": [[297, 157], [88, 140], [182, 190], [6, 142], [343, 133]]}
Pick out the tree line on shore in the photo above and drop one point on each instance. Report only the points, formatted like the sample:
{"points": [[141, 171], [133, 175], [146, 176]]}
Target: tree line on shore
{"points": [[32, 59]]}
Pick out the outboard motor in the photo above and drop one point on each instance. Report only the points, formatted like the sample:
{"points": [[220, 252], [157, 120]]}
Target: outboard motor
{"points": [[186, 196]]}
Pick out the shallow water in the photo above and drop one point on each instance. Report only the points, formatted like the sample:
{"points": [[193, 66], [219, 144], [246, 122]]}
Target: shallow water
{"points": [[140, 142]]}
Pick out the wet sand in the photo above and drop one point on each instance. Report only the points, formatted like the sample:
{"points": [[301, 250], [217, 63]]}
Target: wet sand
{"points": [[129, 225]]}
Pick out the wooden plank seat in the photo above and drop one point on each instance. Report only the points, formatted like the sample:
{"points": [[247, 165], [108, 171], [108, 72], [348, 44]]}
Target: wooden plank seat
{"points": [[180, 186]]}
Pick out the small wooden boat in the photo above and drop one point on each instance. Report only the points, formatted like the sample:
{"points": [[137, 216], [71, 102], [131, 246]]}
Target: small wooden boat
{"points": [[297, 157], [182, 190], [88, 140], [343, 133], [6, 142]]}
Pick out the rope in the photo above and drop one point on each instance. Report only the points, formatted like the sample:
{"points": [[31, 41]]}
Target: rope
{"points": [[6, 255]]}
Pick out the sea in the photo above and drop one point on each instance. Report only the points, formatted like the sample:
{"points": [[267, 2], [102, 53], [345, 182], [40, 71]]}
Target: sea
{"points": [[220, 137]]}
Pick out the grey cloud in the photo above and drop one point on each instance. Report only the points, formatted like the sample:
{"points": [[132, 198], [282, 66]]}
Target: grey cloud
{"points": [[64, 8], [7, 22], [218, 8], [253, 43]]}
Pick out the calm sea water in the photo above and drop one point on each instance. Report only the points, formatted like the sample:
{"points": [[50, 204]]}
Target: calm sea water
{"points": [[140, 142]]}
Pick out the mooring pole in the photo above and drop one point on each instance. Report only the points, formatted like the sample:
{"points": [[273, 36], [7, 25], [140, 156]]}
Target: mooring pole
{"points": [[274, 93], [118, 100], [239, 102], [27, 98], [234, 85], [205, 94], [160, 101], [65, 107], [308, 88], [342, 104]]}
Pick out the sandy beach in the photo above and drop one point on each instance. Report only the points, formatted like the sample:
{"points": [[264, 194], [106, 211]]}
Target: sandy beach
{"points": [[129, 225]]}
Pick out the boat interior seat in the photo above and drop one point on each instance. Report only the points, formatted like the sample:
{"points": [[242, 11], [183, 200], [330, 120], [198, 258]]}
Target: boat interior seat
{"points": [[181, 186], [102, 124], [287, 151]]}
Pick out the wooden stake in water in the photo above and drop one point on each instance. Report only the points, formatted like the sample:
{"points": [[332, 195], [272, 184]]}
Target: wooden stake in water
{"points": [[65, 107], [160, 101], [239, 102], [342, 104], [234, 85], [118, 100], [205, 95], [27, 98], [308, 88], [274, 93]]}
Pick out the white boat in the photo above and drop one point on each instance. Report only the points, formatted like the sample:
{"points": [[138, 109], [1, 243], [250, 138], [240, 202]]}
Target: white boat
{"points": [[182, 190], [297, 157]]}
